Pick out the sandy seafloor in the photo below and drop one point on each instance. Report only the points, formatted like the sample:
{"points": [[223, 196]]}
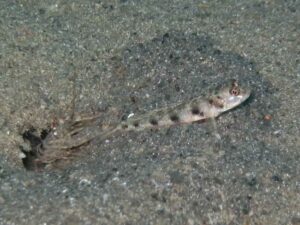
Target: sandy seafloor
{"points": [[131, 56]]}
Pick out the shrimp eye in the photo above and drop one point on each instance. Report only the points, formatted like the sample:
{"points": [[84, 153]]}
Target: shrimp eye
{"points": [[235, 91]]}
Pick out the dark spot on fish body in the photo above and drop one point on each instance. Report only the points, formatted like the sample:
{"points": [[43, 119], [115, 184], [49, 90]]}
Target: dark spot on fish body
{"points": [[136, 124], [133, 99], [153, 121], [217, 102], [124, 126], [174, 118], [196, 111]]}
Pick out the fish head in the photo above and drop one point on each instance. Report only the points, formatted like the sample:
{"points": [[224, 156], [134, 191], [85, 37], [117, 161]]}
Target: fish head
{"points": [[230, 96]]}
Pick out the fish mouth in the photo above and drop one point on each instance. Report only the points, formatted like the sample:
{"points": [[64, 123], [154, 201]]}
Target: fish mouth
{"points": [[245, 95], [234, 101]]}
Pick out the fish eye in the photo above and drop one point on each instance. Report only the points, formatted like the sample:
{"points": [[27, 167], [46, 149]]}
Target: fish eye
{"points": [[235, 91]]}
